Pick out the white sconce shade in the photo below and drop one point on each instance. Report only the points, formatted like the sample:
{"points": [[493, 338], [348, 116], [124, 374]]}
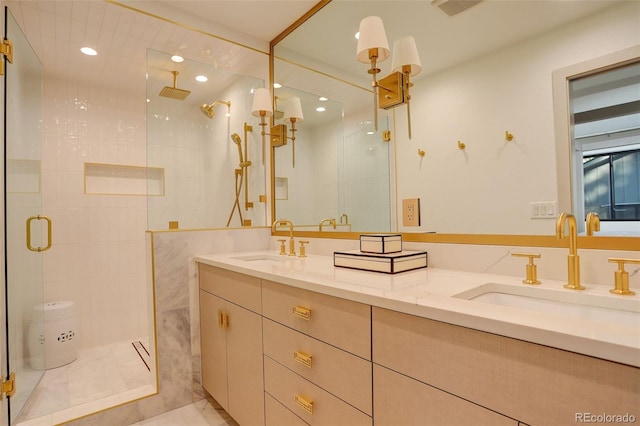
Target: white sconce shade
{"points": [[372, 36], [405, 53], [261, 102], [293, 110]]}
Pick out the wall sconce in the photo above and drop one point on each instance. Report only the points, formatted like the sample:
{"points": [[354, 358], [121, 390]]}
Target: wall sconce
{"points": [[394, 89], [262, 107], [293, 115], [373, 48]]}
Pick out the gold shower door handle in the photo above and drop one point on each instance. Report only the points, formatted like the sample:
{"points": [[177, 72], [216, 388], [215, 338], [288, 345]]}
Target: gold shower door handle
{"points": [[29, 246]]}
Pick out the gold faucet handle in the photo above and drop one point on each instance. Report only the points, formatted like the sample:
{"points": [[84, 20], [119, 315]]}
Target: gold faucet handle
{"points": [[283, 248], [303, 251], [531, 268], [621, 277]]}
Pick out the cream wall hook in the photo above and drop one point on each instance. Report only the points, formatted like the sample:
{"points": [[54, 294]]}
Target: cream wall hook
{"points": [[421, 152], [461, 145], [508, 136]]}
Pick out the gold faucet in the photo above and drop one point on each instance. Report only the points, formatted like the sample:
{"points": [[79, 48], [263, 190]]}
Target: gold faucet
{"points": [[573, 260], [292, 246], [331, 222], [593, 223]]}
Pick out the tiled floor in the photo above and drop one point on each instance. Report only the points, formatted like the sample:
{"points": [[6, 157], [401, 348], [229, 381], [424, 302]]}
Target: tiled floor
{"points": [[98, 378], [201, 413]]}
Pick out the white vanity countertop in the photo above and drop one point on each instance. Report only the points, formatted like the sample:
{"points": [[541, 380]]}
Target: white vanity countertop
{"points": [[428, 293]]}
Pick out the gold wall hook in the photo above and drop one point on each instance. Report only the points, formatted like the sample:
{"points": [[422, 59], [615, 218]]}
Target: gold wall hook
{"points": [[461, 145], [421, 152], [508, 136], [386, 135]]}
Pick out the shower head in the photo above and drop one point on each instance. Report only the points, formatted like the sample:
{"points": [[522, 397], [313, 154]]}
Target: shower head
{"points": [[236, 139], [207, 109], [174, 92]]}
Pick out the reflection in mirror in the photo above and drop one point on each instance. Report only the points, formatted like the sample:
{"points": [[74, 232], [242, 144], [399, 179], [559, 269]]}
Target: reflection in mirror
{"points": [[334, 172], [204, 158], [486, 75], [605, 109]]}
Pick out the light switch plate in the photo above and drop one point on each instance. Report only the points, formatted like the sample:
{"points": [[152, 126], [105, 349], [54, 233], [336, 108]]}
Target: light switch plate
{"points": [[411, 212]]}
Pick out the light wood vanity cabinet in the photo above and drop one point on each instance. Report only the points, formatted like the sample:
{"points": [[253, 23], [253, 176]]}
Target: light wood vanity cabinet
{"points": [[534, 384], [231, 342], [331, 361], [317, 352]]}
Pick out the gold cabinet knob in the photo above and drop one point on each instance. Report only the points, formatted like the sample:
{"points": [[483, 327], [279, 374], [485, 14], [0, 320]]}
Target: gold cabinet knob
{"points": [[621, 277], [531, 268]]}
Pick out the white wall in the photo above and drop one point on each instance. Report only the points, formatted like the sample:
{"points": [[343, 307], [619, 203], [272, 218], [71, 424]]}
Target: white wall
{"points": [[487, 187]]}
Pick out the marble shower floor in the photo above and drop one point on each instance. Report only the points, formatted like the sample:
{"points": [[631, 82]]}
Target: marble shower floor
{"points": [[206, 412], [100, 377]]}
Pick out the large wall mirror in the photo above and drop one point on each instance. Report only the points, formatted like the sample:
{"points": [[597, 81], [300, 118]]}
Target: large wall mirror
{"points": [[483, 157]]}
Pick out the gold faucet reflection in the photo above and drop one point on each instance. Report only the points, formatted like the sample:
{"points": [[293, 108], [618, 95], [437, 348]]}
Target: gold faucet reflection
{"points": [[593, 223], [573, 260], [346, 218], [292, 246], [330, 221]]}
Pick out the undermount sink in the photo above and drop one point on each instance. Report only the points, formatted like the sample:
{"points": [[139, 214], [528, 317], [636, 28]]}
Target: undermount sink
{"points": [[265, 259], [606, 309]]}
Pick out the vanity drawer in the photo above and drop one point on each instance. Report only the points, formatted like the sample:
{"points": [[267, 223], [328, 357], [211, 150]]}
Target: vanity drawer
{"points": [[277, 414], [238, 288], [309, 402], [341, 373], [339, 322]]}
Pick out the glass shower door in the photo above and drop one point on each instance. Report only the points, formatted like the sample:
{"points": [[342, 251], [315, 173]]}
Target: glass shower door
{"points": [[27, 232]]}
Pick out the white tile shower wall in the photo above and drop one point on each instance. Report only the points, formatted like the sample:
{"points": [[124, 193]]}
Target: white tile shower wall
{"points": [[97, 260], [199, 159]]}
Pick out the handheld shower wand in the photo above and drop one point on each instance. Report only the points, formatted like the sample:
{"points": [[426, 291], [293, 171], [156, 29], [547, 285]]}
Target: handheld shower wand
{"points": [[236, 139]]}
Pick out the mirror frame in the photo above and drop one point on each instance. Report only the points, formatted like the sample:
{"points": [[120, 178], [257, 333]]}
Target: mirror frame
{"points": [[585, 242]]}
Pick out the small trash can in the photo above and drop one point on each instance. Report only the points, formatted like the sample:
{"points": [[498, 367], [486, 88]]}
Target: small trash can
{"points": [[53, 335]]}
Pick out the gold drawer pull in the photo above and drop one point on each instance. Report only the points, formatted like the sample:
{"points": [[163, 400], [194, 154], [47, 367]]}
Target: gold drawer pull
{"points": [[305, 403], [302, 358], [302, 312]]}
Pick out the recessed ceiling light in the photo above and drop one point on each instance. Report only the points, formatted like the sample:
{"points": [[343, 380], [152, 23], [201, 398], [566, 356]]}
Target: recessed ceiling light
{"points": [[88, 51], [201, 78], [323, 99], [321, 109], [176, 58], [277, 85], [371, 133]]}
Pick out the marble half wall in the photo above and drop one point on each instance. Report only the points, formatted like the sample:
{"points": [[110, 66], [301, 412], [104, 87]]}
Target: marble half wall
{"points": [[177, 317]]}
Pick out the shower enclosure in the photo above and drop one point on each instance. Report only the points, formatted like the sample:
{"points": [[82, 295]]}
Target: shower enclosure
{"points": [[27, 233], [204, 152]]}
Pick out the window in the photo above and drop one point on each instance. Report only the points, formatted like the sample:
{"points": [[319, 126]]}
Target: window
{"points": [[605, 116]]}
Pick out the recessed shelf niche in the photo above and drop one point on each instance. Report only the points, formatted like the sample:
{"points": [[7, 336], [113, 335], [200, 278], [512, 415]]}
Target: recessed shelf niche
{"points": [[117, 179]]}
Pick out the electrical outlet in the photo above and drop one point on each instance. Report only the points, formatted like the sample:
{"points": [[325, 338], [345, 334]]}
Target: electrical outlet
{"points": [[411, 212]]}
